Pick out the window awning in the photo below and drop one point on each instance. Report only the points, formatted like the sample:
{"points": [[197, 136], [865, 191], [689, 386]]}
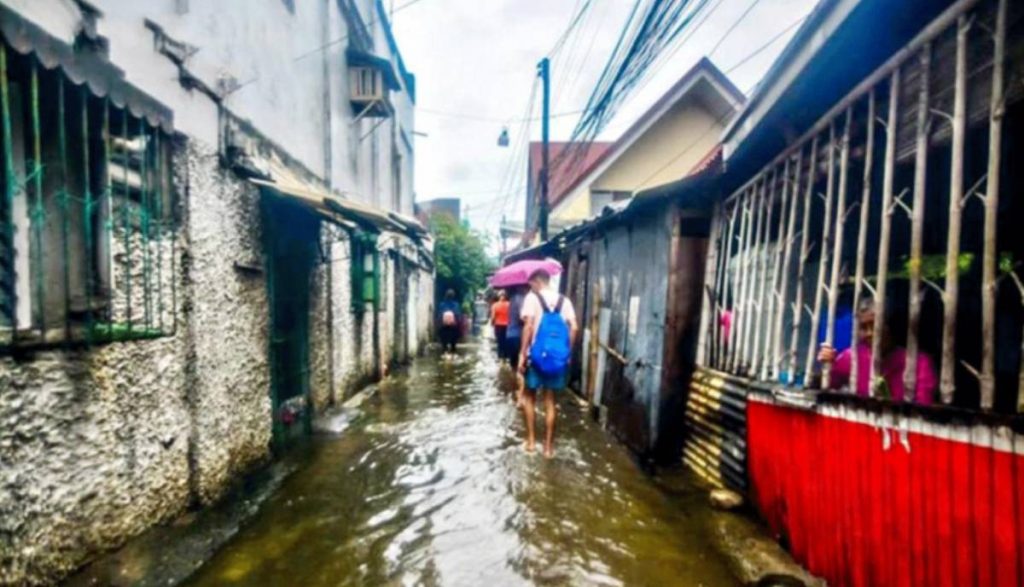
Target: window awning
{"points": [[344, 212], [358, 58], [82, 66]]}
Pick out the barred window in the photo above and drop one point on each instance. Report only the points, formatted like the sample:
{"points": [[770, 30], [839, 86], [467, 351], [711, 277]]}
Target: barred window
{"points": [[365, 267], [88, 230], [899, 206]]}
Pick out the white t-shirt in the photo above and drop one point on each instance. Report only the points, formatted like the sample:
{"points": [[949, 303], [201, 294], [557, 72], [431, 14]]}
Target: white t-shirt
{"points": [[533, 309]]}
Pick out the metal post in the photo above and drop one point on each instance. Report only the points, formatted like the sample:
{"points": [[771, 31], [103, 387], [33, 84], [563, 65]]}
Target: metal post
{"points": [[10, 295], [757, 359], [543, 208], [768, 364], [805, 230], [144, 225], [753, 309], [787, 256], [87, 205], [862, 235], [837, 245], [62, 139], [38, 215], [711, 277], [740, 280], [951, 289], [917, 223], [989, 260], [159, 212], [885, 231], [725, 289], [826, 242], [125, 216]]}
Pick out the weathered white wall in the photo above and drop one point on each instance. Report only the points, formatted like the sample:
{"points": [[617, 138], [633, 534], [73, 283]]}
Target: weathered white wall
{"points": [[97, 445], [228, 316]]}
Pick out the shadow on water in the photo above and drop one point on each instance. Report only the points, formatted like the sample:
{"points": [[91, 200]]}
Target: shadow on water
{"points": [[429, 485]]}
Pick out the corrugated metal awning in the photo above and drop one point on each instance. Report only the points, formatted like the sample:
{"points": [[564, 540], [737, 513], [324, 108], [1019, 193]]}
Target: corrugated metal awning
{"points": [[82, 66]]}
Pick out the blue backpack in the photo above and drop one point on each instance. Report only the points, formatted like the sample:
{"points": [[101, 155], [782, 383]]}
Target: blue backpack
{"points": [[550, 351]]}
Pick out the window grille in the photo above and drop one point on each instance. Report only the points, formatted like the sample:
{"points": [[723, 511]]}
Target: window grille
{"points": [[88, 241], [902, 193]]}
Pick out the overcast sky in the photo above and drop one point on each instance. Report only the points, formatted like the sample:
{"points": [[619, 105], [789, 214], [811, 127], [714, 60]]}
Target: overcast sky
{"points": [[475, 63]]}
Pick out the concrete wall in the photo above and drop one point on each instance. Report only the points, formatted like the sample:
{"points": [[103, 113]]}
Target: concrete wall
{"points": [[99, 443]]}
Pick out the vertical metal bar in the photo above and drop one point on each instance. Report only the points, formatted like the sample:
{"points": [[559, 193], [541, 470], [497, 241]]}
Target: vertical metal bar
{"points": [[9, 180], [917, 223], [885, 231], [757, 359], [62, 139], [144, 222], [125, 220], [38, 215], [710, 296], [742, 204], [837, 244], [757, 212], [951, 289], [823, 254], [725, 287], [805, 232], [988, 279], [787, 255], [87, 205], [862, 236], [746, 277], [158, 169], [768, 365], [108, 220]]}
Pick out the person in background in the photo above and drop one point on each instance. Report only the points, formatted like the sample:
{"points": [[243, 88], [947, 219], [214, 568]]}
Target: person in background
{"points": [[549, 331], [513, 337], [499, 320], [893, 364], [449, 313]]}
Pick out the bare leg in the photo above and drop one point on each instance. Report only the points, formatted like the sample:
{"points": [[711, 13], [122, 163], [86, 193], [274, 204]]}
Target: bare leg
{"points": [[520, 387], [529, 401], [549, 420]]}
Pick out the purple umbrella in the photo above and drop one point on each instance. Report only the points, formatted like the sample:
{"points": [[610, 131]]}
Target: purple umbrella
{"points": [[519, 273]]}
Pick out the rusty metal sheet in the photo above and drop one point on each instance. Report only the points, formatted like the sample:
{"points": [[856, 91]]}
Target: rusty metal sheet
{"points": [[716, 426]]}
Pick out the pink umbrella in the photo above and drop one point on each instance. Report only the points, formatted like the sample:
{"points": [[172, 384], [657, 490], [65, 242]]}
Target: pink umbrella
{"points": [[519, 273]]}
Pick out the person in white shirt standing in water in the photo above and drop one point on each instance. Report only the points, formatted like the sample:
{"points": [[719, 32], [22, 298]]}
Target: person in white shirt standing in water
{"points": [[549, 332]]}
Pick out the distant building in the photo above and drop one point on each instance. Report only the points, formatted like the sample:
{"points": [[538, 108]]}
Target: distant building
{"points": [[451, 207]]}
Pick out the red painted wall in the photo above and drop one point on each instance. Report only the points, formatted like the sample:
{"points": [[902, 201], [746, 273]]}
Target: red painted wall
{"points": [[861, 503]]}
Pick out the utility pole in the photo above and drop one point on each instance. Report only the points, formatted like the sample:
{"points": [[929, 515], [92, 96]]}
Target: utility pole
{"points": [[542, 218]]}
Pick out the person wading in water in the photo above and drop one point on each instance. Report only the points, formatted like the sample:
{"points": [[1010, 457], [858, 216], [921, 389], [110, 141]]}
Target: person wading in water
{"points": [[448, 315], [549, 331]]}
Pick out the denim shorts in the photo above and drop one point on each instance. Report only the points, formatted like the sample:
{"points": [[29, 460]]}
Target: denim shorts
{"points": [[537, 380]]}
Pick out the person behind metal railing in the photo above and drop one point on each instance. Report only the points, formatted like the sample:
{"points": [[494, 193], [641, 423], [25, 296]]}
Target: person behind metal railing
{"points": [[893, 363]]}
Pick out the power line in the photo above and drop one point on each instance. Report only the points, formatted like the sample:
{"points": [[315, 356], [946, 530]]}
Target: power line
{"points": [[731, 28], [742, 61], [372, 21], [491, 119]]}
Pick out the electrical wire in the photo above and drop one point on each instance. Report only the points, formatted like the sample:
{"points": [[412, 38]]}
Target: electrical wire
{"points": [[369, 23]]}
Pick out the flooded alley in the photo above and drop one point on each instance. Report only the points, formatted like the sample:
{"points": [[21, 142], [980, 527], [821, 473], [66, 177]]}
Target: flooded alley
{"points": [[429, 485]]}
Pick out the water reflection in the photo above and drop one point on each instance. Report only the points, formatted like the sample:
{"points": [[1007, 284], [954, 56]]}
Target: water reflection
{"points": [[430, 486]]}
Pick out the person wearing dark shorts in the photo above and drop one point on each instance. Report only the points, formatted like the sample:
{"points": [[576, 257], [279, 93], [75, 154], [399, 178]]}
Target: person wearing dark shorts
{"points": [[448, 318]]}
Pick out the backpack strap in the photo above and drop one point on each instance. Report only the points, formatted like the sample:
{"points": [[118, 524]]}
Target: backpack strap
{"points": [[543, 304], [558, 306]]}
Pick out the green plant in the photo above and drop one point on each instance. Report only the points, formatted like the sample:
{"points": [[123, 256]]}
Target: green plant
{"points": [[461, 258]]}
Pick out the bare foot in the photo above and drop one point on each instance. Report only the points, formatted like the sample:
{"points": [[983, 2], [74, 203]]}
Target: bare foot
{"points": [[530, 447], [549, 452]]}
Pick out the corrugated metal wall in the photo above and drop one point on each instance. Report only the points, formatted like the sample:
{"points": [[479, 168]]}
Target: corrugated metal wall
{"points": [[877, 497], [716, 424]]}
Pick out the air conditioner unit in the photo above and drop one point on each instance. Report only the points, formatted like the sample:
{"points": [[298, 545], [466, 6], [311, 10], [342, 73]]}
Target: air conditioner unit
{"points": [[367, 85]]}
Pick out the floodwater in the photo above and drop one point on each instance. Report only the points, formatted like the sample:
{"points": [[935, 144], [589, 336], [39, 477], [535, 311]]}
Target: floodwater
{"points": [[429, 485]]}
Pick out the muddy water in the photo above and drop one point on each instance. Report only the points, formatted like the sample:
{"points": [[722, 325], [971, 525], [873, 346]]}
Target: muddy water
{"points": [[429, 485]]}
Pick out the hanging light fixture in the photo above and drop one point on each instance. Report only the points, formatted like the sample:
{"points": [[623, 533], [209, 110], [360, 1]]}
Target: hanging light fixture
{"points": [[503, 137]]}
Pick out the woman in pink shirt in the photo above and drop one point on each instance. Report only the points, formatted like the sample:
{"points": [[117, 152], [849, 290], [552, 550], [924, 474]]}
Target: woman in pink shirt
{"points": [[893, 365]]}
